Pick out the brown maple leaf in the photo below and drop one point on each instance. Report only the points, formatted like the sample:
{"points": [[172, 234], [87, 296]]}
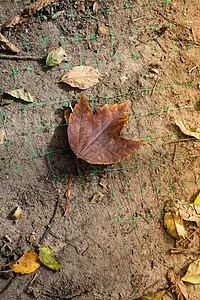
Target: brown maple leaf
{"points": [[95, 137]]}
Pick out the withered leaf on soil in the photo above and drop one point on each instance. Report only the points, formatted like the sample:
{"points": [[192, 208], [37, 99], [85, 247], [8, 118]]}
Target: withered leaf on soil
{"points": [[55, 57], [6, 45], [174, 225], [16, 212], [178, 287], [95, 137], [21, 94], [48, 258], [28, 263], [97, 198], [26, 13], [190, 212], [188, 130], [193, 273], [153, 296], [82, 77]]}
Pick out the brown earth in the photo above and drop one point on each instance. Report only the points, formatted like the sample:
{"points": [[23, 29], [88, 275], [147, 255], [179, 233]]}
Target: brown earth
{"points": [[129, 249]]}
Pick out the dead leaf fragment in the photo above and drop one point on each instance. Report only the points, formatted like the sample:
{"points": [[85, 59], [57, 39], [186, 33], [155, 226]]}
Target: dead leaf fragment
{"points": [[95, 7], [188, 130], [178, 287], [197, 200], [28, 263], [25, 14], [193, 273], [6, 45], [174, 225], [16, 213], [97, 198], [55, 57], [190, 212], [153, 296], [2, 134], [102, 31], [95, 137], [67, 113], [21, 94], [82, 77]]}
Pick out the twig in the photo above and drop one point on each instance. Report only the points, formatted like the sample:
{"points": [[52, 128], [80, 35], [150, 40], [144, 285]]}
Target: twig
{"points": [[34, 277], [193, 69], [86, 250], [180, 242], [171, 21], [182, 140], [9, 283], [17, 57], [65, 213], [52, 219], [154, 86], [71, 295]]}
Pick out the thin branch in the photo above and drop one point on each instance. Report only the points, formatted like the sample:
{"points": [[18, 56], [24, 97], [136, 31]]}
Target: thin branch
{"points": [[182, 241], [17, 57], [52, 219], [9, 283]]}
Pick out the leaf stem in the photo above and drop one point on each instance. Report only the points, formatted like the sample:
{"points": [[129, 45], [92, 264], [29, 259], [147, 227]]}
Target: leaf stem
{"points": [[65, 213]]}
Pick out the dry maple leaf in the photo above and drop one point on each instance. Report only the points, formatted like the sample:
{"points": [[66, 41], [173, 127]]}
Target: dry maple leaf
{"points": [[95, 137]]}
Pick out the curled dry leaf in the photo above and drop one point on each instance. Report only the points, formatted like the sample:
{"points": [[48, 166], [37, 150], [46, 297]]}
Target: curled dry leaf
{"points": [[178, 287], [190, 212], [188, 130], [55, 57], [102, 31], [16, 213], [95, 137], [153, 296], [174, 225], [82, 77], [193, 273], [48, 258], [6, 45], [28, 263], [97, 198]]}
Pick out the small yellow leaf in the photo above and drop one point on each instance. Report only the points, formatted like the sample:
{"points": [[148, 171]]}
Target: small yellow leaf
{"points": [[174, 225], [97, 198], [55, 57], [193, 273], [48, 258], [197, 200], [16, 213], [153, 296], [28, 263], [188, 130]]}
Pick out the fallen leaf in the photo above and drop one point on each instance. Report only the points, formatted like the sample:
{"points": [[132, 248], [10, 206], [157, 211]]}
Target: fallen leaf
{"points": [[26, 13], [28, 263], [188, 130], [31, 238], [97, 198], [82, 77], [55, 57], [102, 31], [153, 296], [193, 273], [67, 113], [190, 212], [21, 94], [95, 137], [16, 213], [197, 200], [174, 225], [6, 45], [178, 287], [48, 258]]}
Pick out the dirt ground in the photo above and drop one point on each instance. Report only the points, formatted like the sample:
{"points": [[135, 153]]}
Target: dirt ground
{"points": [[119, 245]]}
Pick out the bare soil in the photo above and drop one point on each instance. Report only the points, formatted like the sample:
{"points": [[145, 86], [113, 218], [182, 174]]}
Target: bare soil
{"points": [[119, 245]]}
